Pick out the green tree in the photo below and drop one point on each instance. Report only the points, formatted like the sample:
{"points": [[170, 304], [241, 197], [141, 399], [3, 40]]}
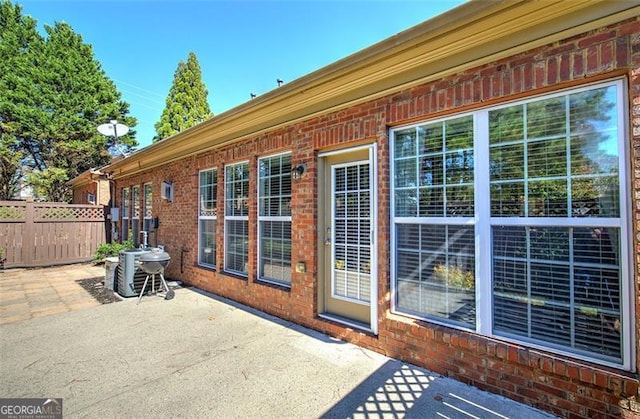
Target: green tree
{"points": [[186, 103], [52, 100], [46, 183], [76, 96], [10, 167], [17, 34], [574, 162]]}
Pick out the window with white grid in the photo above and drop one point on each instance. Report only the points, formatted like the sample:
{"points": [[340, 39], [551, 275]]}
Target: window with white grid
{"points": [[135, 214], [148, 207], [207, 217], [274, 219], [351, 241], [236, 218], [556, 161], [519, 228], [434, 208], [126, 209]]}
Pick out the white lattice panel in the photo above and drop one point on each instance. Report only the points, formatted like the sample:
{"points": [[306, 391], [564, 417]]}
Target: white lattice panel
{"points": [[56, 212]]}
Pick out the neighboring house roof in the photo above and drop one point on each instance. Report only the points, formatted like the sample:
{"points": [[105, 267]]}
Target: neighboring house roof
{"points": [[475, 33], [86, 177]]}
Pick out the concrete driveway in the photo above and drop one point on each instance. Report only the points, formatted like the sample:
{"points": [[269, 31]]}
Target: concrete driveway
{"points": [[201, 356]]}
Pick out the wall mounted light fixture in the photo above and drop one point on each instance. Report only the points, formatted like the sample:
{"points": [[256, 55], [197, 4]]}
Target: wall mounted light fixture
{"points": [[296, 172]]}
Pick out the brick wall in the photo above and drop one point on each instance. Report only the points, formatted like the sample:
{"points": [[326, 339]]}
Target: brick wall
{"points": [[80, 194], [563, 386], [99, 189]]}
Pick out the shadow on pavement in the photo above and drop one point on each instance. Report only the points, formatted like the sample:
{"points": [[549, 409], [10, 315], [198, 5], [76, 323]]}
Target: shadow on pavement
{"points": [[400, 390]]}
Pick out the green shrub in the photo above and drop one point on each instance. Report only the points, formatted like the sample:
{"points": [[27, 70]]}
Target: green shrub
{"points": [[111, 249], [454, 276]]}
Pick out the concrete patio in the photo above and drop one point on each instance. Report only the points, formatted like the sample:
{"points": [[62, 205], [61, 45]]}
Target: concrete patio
{"points": [[198, 355], [31, 293]]}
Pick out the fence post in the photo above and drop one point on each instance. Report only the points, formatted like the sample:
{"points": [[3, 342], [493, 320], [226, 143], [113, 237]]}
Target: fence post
{"points": [[29, 246]]}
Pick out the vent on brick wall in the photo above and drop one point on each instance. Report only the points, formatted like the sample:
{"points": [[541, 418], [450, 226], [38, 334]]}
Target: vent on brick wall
{"points": [[167, 191]]}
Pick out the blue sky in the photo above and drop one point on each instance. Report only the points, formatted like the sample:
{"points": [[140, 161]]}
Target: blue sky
{"points": [[242, 46]]}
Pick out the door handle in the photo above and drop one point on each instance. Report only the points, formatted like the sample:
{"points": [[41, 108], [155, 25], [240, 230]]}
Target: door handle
{"points": [[327, 237]]}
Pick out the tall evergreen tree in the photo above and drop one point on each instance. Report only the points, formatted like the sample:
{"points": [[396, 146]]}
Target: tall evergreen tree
{"points": [[186, 103], [79, 97], [17, 34], [51, 102]]}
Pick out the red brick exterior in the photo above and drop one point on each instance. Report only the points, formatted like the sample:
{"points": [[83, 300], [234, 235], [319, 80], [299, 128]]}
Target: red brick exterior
{"points": [[560, 385], [99, 188], [81, 193]]}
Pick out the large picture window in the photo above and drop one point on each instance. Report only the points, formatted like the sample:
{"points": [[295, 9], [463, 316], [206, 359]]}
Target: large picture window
{"points": [[207, 217], [511, 222], [274, 219], [236, 218]]}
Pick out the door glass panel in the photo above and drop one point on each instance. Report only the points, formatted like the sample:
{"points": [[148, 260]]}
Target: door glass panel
{"points": [[351, 249]]}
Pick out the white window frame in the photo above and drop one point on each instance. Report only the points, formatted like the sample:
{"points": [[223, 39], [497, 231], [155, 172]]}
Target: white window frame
{"points": [[147, 206], [207, 217], [126, 213], [334, 293], [227, 218], [135, 214], [484, 222], [262, 218], [443, 219]]}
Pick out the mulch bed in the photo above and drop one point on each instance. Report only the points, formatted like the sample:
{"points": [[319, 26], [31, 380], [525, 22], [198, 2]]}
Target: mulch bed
{"points": [[95, 287]]}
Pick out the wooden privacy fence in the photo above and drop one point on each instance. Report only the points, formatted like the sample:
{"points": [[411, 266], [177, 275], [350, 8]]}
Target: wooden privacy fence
{"points": [[45, 233]]}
